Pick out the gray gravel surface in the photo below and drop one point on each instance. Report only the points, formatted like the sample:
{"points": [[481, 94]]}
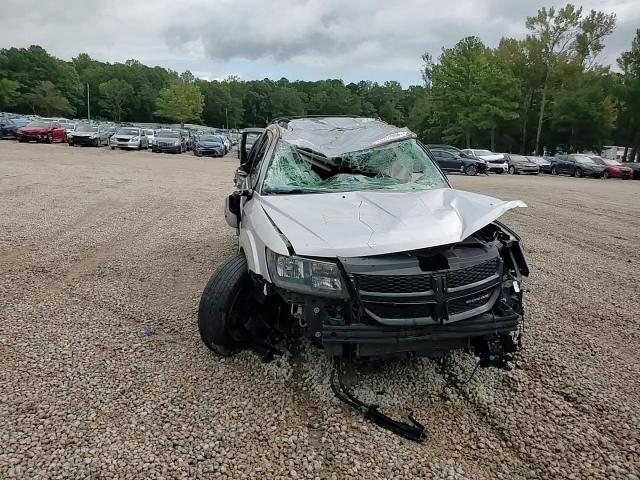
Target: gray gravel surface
{"points": [[103, 256]]}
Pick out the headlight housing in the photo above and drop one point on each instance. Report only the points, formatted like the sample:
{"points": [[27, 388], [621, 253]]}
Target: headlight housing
{"points": [[134, 139], [305, 275]]}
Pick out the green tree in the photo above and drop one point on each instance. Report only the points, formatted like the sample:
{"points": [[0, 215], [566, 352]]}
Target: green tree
{"points": [[181, 102], [8, 93], [45, 99], [628, 97], [114, 96], [286, 101], [563, 35], [470, 91]]}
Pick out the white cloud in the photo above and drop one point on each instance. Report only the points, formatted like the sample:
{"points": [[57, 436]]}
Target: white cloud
{"points": [[313, 38]]}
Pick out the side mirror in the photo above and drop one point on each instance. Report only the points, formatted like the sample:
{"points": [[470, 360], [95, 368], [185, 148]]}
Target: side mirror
{"points": [[232, 207]]}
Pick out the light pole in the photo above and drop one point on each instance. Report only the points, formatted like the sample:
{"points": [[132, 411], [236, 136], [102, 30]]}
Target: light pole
{"points": [[226, 120], [88, 105]]}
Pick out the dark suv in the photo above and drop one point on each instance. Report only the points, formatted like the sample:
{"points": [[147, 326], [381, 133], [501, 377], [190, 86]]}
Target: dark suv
{"points": [[451, 160], [577, 165]]}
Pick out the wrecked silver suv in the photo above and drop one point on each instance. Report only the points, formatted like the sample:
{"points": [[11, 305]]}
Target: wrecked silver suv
{"points": [[350, 235]]}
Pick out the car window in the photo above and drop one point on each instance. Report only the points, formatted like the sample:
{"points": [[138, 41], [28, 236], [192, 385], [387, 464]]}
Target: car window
{"points": [[257, 159], [443, 155]]}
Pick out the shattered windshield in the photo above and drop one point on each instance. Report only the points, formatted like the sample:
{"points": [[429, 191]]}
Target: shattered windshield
{"points": [[397, 166]]}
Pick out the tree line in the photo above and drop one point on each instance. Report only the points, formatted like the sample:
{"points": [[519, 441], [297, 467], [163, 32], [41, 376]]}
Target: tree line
{"points": [[544, 90]]}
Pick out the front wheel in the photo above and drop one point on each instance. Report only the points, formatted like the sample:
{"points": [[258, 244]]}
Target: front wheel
{"points": [[554, 171], [606, 174], [471, 170], [577, 173], [512, 170], [222, 306]]}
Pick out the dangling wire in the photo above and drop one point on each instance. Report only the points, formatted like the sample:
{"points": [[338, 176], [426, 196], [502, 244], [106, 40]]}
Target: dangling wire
{"points": [[413, 431]]}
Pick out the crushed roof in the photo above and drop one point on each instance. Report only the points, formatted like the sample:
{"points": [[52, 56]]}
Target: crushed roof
{"points": [[335, 136]]}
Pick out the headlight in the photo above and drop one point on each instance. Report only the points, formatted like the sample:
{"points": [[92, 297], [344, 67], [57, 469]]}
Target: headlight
{"points": [[176, 143], [134, 139], [306, 276]]}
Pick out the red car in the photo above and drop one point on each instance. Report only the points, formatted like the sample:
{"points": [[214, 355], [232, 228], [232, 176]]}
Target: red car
{"points": [[613, 168], [42, 131]]}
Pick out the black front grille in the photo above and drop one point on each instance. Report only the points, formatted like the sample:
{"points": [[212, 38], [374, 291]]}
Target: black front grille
{"points": [[476, 273], [394, 283], [394, 311], [469, 303]]}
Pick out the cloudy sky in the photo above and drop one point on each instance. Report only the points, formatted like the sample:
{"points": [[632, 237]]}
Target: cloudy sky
{"points": [[307, 39]]}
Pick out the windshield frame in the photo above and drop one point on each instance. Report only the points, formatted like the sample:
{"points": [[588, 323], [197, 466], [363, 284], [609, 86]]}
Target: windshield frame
{"points": [[271, 153]]}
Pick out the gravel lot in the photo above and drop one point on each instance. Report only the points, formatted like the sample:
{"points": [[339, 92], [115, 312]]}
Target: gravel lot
{"points": [[103, 256]]}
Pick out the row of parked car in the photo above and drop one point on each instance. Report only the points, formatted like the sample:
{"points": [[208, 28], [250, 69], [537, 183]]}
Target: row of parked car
{"points": [[97, 134], [474, 161]]}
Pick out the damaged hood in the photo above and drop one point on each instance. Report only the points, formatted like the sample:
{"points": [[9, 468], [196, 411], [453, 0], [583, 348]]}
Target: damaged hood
{"points": [[353, 224]]}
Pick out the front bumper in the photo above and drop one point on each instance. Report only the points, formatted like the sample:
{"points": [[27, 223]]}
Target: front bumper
{"points": [[497, 167], [83, 140], [167, 148], [529, 170], [26, 137], [397, 305], [126, 145], [208, 152], [376, 340]]}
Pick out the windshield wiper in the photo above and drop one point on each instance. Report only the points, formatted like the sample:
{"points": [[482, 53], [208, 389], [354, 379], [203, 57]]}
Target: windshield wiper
{"points": [[293, 191]]}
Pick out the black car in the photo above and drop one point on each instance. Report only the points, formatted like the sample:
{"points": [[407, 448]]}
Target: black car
{"points": [[209, 146], [9, 127], [635, 167], [577, 165], [520, 164], [169, 141], [448, 148], [451, 161]]}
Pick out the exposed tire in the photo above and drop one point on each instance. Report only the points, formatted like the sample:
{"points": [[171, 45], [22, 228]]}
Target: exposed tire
{"points": [[577, 173], [606, 174], [221, 306], [113, 148], [554, 171], [49, 139], [512, 170], [471, 170]]}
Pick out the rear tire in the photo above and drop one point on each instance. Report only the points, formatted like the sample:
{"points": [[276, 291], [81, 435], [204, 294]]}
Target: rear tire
{"points": [[606, 174], [471, 170], [512, 170], [577, 173], [554, 171], [221, 305]]}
